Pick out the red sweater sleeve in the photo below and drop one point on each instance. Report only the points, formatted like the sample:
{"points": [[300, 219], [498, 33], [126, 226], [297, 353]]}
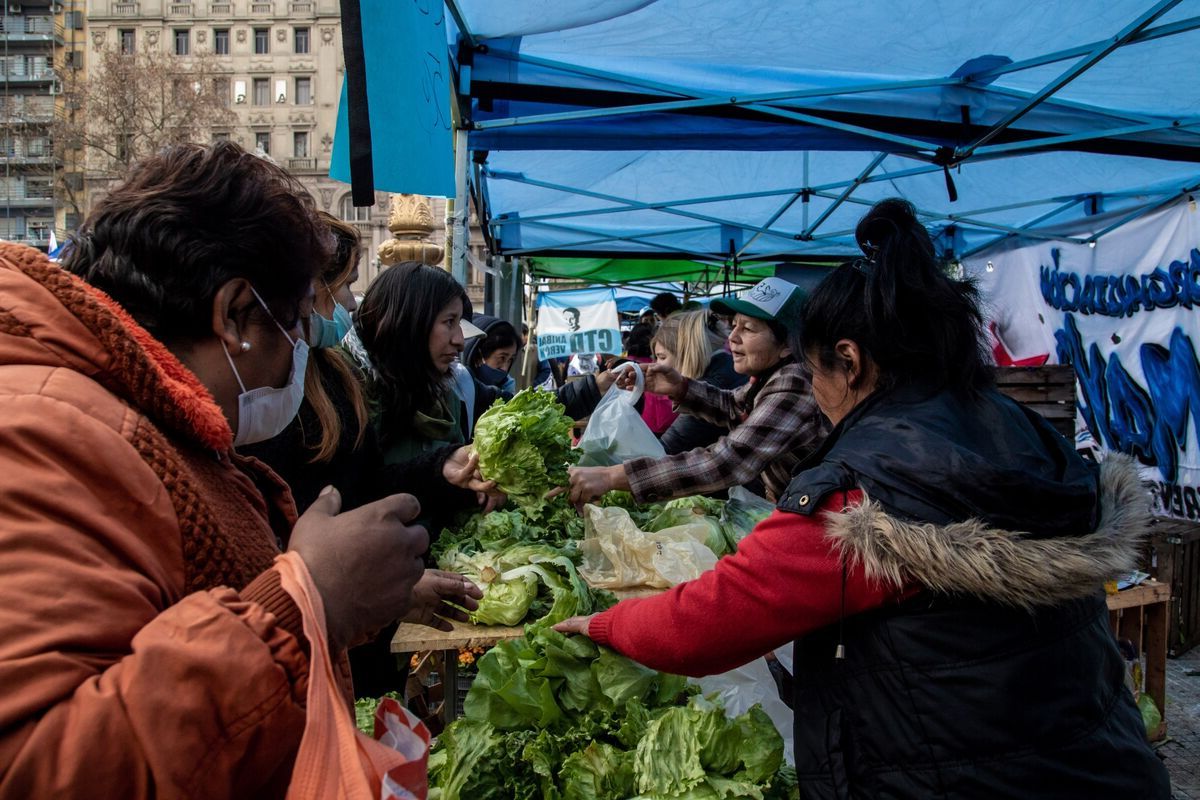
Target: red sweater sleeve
{"points": [[783, 582]]}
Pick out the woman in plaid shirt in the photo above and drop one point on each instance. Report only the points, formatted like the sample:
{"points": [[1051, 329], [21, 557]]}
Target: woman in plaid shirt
{"points": [[773, 420]]}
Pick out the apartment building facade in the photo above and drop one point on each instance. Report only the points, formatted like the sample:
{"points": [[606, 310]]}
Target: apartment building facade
{"points": [[39, 40]]}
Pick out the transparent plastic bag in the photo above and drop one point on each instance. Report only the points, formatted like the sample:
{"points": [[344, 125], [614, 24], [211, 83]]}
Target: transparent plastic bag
{"points": [[615, 431], [619, 555]]}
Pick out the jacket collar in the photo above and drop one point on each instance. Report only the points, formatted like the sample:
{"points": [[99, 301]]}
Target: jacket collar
{"points": [[105, 343], [1006, 566]]}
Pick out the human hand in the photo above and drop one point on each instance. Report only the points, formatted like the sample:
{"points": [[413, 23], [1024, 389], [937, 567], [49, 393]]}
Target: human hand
{"points": [[462, 470], [575, 625], [588, 483], [432, 597], [490, 501], [664, 380], [364, 562], [605, 379]]}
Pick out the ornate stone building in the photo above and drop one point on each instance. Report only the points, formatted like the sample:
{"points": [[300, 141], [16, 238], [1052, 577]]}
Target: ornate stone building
{"points": [[281, 67]]}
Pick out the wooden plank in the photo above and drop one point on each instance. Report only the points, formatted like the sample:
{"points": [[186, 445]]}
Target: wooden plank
{"points": [[1142, 595], [410, 638], [1053, 373], [1156, 661], [1130, 626], [1040, 394]]}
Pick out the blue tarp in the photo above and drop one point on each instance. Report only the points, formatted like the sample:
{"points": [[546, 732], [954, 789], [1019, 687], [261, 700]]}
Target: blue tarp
{"points": [[763, 129]]}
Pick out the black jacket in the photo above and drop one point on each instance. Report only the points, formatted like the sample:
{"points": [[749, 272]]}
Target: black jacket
{"points": [[1000, 678], [688, 432]]}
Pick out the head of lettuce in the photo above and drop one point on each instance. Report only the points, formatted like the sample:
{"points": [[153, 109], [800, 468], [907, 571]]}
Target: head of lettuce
{"points": [[524, 445]]}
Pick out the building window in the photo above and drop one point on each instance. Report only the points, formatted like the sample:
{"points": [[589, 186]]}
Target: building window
{"points": [[301, 40], [221, 41], [353, 213], [304, 91], [300, 144], [124, 146], [38, 188], [220, 136], [262, 92], [37, 147], [183, 44], [262, 41], [221, 89], [128, 41], [262, 141]]}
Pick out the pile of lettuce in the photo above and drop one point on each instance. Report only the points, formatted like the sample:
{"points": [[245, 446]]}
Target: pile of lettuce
{"points": [[533, 581], [727, 522], [524, 445], [552, 717]]}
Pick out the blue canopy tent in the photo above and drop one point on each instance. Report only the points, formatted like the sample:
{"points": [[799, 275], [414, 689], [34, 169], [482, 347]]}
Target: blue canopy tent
{"points": [[760, 130]]}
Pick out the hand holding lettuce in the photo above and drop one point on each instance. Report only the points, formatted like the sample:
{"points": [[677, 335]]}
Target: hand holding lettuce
{"points": [[524, 445]]}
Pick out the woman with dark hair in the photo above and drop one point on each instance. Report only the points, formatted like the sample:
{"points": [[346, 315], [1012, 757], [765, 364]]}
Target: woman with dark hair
{"points": [[772, 421], [411, 324], [330, 443], [939, 564], [148, 648], [490, 357]]}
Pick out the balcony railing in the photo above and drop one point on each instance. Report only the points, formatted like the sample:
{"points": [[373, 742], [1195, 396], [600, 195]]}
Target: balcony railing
{"points": [[19, 72], [180, 9], [127, 9], [302, 164], [220, 8], [262, 8], [300, 7], [38, 28]]}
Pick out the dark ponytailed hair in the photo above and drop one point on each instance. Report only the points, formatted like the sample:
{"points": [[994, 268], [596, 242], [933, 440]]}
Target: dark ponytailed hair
{"points": [[332, 363], [916, 323], [190, 219], [393, 323]]}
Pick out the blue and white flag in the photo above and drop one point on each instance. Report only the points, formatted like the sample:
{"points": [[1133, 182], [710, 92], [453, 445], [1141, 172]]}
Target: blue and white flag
{"points": [[577, 321]]}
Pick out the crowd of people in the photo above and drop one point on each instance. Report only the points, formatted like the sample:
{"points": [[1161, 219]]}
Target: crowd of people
{"points": [[195, 390]]}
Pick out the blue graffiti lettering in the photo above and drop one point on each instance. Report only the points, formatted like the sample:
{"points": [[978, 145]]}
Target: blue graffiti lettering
{"points": [[1148, 422], [1173, 378], [1122, 295]]}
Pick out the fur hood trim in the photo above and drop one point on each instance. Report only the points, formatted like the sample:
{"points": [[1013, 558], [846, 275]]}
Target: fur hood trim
{"points": [[1008, 567]]}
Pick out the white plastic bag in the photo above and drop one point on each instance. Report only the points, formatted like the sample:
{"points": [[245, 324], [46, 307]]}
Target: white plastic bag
{"points": [[616, 432], [746, 685]]}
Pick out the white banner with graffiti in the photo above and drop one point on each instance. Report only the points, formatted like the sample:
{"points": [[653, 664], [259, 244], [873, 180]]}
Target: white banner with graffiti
{"points": [[1125, 314], [577, 321]]}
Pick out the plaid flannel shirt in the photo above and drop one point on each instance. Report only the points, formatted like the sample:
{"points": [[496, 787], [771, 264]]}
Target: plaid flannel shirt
{"points": [[773, 425]]}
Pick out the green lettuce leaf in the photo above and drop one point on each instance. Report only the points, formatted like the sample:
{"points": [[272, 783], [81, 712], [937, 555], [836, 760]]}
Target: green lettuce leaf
{"points": [[460, 748], [524, 445]]}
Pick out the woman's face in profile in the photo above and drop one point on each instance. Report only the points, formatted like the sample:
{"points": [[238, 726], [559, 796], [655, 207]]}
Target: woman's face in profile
{"points": [[663, 356], [446, 337], [754, 347]]}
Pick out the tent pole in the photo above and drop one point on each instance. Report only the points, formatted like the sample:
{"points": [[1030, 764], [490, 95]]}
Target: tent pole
{"points": [[1093, 57], [461, 209]]}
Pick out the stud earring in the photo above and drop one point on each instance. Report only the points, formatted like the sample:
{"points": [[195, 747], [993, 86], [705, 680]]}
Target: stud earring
{"points": [[245, 347]]}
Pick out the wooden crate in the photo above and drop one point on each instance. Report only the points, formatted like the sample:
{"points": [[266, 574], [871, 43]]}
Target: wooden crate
{"points": [[1174, 559], [1048, 390], [1139, 614]]}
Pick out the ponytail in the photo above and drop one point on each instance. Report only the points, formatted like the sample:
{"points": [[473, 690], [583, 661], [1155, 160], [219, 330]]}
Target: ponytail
{"points": [[916, 323]]}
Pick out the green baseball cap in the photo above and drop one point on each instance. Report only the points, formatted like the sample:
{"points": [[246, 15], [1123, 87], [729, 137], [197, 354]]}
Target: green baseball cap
{"points": [[772, 299]]}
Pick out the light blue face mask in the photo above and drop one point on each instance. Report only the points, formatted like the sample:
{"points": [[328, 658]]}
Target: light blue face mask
{"points": [[324, 332]]}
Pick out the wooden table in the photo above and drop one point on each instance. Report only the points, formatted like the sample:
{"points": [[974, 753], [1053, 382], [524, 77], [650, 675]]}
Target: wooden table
{"points": [[410, 638], [1140, 615]]}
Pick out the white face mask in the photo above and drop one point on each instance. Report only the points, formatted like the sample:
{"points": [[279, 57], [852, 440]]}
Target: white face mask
{"points": [[264, 412]]}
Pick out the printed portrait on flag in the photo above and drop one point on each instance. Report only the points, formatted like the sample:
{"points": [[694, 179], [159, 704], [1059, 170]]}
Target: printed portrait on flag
{"points": [[577, 321]]}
